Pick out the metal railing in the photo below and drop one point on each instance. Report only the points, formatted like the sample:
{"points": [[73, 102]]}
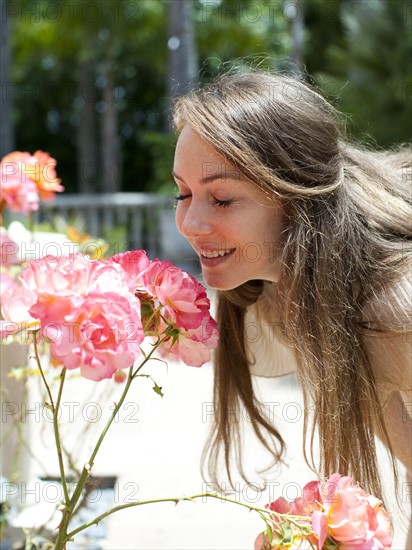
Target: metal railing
{"points": [[147, 220]]}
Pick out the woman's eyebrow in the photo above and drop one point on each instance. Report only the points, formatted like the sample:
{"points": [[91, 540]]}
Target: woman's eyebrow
{"points": [[212, 177]]}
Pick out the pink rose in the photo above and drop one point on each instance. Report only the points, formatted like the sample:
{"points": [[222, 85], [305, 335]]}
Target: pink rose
{"points": [[101, 334], [86, 310], [25, 179], [41, 168], [383, 532], [91, 312], [310, 500], [17, 189], [55, 281], [184, 300], [340, 514], [133, 263], [280, 506], [8, 288], [350, 517], [193, 346]]}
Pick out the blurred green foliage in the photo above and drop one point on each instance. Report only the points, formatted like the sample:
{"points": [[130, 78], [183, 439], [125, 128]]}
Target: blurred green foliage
{"points": [[358, 53]]}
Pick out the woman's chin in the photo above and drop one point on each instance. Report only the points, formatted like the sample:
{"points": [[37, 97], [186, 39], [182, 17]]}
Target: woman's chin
{"points": [[219, 283]]}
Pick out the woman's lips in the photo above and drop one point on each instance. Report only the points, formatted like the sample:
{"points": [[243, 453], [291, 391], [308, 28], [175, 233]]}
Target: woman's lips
{"points": [[211, 261]]}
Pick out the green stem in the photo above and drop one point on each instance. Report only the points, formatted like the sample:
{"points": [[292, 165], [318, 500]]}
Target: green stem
{"points": [[31, 226], [15, 472], [71, 505], [261, 511], [112, 417], [3, 205], [70, 460], [57, 437], [176, 500], [86, 469], [55, 410], [37, 357], [149, 356]]}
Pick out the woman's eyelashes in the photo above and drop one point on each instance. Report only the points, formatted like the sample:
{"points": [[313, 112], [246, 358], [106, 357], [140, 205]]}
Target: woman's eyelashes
{"points": [[181, 197], [217, 202], [222, 204]]}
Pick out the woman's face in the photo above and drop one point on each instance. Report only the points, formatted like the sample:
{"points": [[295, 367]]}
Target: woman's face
{"points": [[232, 225]]}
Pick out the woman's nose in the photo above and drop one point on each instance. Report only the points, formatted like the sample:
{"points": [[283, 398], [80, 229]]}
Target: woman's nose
{"points": [[195, 221]]}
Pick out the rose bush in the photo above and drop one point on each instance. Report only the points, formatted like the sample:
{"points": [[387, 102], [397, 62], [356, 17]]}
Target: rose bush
{"points": [[96, 313]]}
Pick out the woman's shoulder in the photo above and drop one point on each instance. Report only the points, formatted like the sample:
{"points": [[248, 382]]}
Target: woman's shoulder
{"points": [[392, 307], [389, 346]]}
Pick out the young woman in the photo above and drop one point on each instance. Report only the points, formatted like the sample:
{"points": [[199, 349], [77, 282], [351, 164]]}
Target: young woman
{"points": [[309, 236]]}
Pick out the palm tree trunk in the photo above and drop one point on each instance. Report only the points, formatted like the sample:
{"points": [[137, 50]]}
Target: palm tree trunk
{"points": [[183, 62], [297, 39], [110, 147], [6, 87], [87, 166]]}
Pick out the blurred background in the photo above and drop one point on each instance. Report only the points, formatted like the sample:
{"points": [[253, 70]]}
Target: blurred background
{"points": [[91, 82]]}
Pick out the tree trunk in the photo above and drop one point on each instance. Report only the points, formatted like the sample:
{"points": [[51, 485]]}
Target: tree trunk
{"points": [[110, 150], [6, 87], [87, 151], [297, 38], [183, 62]]}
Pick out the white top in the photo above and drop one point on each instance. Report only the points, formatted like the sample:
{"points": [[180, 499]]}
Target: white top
{"points": [[268, 353]]}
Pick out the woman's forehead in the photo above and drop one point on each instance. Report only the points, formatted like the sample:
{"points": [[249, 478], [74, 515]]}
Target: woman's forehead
{"points": [[192, 151]]}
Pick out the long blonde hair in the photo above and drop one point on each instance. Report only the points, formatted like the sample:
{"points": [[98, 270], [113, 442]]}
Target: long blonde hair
{"points": [[347, 238]]}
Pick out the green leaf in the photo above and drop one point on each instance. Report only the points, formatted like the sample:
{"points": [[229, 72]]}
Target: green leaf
{"points": [[287, 533], [157, 389]]}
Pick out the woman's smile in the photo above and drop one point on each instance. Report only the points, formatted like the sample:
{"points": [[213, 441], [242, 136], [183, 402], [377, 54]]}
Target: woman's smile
{"points": [[214, 258]]}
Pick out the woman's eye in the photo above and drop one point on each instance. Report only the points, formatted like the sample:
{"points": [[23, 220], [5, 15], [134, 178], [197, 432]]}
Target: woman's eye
{"points": [[222, 204], [181, 197]]}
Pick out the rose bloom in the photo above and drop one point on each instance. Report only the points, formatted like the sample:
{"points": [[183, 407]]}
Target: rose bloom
{"points": [[25, 179], [193, 346], [171, 296], [91, 314], [133, 263], [351, 517], [8, 285], [341, 515], [184, 300], [101, 334], [17, 189], [53, 282], [41, 168], [86, 310]]}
